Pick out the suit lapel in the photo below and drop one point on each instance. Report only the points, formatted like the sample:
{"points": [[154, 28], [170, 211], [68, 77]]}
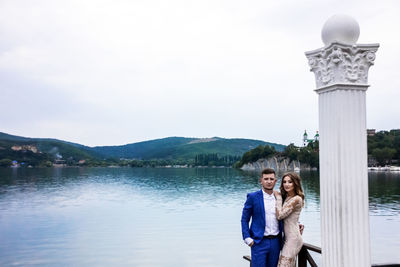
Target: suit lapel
{"points": [[261, 200]]}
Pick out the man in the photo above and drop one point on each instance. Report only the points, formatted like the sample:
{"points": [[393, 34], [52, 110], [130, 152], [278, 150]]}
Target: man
{"points": [[265, 233]]}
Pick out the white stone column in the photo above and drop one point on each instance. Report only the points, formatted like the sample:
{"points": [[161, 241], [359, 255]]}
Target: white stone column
{"points": [[341, 72]]}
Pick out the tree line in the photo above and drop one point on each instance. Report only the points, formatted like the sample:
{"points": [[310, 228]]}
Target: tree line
{"points": [[384, 148], [308, 154], [215, 160]]}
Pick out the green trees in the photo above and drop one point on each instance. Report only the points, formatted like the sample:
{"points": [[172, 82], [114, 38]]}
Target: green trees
{"points": [[384, 147], [255, 154], [215, 160], [308, 155], [24, 157], [384, 155], [291, 152]]}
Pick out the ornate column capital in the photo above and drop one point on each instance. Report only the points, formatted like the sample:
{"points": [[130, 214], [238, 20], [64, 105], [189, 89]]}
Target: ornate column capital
{"points": [[342, 64]]}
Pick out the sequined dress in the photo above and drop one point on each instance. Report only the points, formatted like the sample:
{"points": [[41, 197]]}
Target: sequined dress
{"points": [[289, 212]]}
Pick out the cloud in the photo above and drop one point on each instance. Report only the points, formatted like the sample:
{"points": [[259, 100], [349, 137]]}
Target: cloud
{"points": [[114, 72]]}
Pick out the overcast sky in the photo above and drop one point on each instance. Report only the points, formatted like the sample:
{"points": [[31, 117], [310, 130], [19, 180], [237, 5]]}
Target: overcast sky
{"points": [[117, 72]]}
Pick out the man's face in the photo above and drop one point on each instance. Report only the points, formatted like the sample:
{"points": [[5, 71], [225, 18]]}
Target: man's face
{"points": [[268, 181]]}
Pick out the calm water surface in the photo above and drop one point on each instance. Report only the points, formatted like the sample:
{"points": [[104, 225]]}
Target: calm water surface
{"points": [[155, 217]]}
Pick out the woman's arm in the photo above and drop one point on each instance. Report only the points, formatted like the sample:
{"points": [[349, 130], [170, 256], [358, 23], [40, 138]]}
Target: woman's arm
{"points": [[284, 211]]}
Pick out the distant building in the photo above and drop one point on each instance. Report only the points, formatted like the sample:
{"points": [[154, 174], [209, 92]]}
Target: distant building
{"points": [[371, 132], [306, 141]]}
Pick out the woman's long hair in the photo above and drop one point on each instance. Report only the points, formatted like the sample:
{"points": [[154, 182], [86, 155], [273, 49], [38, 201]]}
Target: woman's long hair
{"points": [[298, 190]]}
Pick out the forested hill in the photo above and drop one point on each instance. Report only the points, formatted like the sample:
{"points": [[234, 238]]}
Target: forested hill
{"points": [[14, 138], [182, 148], [41, 151], [36, 151]]}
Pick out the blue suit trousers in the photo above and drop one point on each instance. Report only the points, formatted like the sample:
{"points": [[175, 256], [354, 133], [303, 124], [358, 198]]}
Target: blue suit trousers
{"points": [[265, 253]]}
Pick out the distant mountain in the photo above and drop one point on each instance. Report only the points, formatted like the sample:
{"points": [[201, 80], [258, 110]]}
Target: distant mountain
{"points": [[9, 137], [182, 148], [38, 149], [13, 147]]}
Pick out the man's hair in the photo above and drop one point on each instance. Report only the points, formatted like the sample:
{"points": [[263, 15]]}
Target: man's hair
{"points": [[267, 171]]}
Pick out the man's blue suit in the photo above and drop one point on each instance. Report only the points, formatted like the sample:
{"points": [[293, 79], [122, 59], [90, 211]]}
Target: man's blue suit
{"points": [[254, 209]]}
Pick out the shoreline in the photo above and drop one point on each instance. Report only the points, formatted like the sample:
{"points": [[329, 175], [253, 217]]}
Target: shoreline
{"points": [[370, 169], [384, 169]]}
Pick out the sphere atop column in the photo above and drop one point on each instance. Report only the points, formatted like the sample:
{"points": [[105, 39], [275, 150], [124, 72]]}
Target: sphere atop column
{"points": [[340, 28]]}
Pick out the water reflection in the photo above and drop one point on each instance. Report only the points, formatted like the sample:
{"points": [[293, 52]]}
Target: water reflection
{"points": [[120, 216], [384, 187], [384, 193], [207, 185]]}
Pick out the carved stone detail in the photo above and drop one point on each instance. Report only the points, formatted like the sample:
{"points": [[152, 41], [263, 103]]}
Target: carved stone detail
{"points": [[341, 64]]}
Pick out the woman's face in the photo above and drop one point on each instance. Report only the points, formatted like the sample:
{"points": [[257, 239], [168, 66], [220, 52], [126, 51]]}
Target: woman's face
{"points": [[288, 184]]}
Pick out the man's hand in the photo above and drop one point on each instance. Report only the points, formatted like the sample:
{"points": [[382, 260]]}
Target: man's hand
{"points": [[301, 228], [251, 244]]}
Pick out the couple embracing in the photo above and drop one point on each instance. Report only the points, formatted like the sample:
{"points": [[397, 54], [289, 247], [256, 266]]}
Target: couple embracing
{"points": [[274, 221]]}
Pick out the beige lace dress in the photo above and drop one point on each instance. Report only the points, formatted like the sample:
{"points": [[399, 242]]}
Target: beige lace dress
{"points": [[289, 212]]}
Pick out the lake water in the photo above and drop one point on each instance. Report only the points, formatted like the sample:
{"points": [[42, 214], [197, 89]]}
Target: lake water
{"points": [[155, 217]]}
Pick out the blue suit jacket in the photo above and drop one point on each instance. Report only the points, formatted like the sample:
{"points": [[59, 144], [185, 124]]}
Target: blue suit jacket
{"points": [[254, 209]]}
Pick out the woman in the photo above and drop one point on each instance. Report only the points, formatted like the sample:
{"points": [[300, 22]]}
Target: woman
{"points": [[289, 212]]}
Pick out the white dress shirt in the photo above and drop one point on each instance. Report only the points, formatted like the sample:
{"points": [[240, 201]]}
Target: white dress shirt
{"points": [[271, 223]]}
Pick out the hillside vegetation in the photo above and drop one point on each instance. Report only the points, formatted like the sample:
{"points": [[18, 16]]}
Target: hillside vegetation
{"points": [[182, 148], [384, 148], [40, 151], [308, 155], [160, 152]]}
